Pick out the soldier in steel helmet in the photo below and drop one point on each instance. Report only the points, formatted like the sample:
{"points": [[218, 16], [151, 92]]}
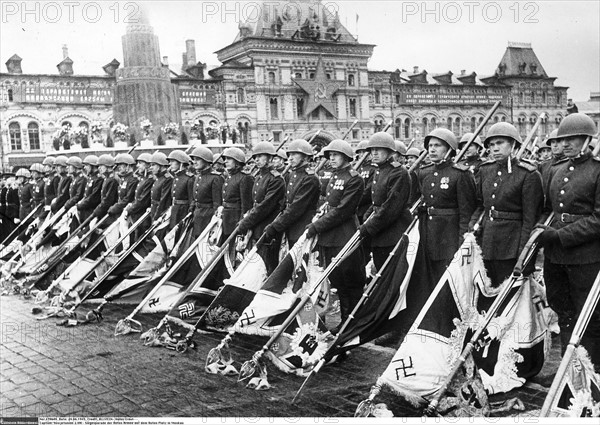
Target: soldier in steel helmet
{"points": [[64, 183], [78, 183], [51, 180], [125, 164], [572, 242], [237, 190], [472, 158], [93, 188], [557, 155], [301, 195], [510, 196], [160, 195], [208, 189], [400, 153], [141, 198], [109, 193], [279, 161], [337, 226], [25, 193], [449, 199], [268, 195], [390, 194], [182, 190], [366, 171], [37, 178]]}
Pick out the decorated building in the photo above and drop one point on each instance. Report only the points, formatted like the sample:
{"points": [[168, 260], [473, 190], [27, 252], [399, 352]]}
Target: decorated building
{"points": [[294, 70]]}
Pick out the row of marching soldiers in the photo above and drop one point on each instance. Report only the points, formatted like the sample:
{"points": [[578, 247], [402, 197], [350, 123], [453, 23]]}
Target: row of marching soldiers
{"points": [[503, 198]]}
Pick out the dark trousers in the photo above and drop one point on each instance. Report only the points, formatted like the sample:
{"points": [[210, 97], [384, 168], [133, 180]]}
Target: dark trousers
{"points": [[348, 277], [499, 270], [567, 288]]}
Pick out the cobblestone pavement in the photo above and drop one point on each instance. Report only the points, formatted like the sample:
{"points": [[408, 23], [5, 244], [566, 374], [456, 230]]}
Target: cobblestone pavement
{"points": [[86, 371]]}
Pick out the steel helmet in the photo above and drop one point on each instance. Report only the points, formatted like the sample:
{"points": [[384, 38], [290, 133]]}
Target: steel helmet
{"points": [[264, 148], [23, 172], [382, 140], [444, 135], [576, 124], [235, 153], [362, 146], [502, 129], [91, 160], [467, 136], [340, 146], [400, 147], [281, 154], [541, 144], [37, 167], [61, 161], [203, 153], [145, 157], [75, 161], [300, 146], [124, 158], [106, 160], [49, 160], [160, 159], [179, 156], [553, 136], [413, 152]]}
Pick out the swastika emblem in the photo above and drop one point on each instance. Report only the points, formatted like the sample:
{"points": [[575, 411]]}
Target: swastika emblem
{"points": [[247, 318], [322, 300], [405, 366], [186, 310], [466, 254], [308, 344], [153, 302]]}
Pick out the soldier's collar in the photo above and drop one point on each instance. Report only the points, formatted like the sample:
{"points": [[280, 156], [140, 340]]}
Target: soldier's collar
{"points": [[442, 164], [581, 158]]}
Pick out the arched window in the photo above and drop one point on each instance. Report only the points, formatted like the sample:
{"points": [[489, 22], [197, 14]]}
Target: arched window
{"points": [[10, 95], [298, 75], [473, 124], [299, 107], [397, 128], [544, 97], [14, 130], [351, 79], [425, 127], [377, 96], [457, 125], [533, 99], [311, 76], [352, 107], [406, 128], [545, 125], [432, 125], [449, 124], [271, 77], [241, 96], [274, 107], [33, 132]]}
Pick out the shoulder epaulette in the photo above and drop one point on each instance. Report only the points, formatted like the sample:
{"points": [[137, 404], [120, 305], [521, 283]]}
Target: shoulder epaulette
{"points": [[461, 167], [354, 173], [422, 167], [523, 163], [396, 164], [488, 162], [215, 173], [276, 173], [562, 161]]}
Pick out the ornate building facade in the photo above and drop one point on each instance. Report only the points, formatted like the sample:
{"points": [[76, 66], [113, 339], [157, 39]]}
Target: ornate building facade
{"points": [[293, 71]]}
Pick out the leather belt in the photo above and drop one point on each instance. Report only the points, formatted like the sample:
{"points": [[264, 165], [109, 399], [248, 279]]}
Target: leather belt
{"points": [[203, 204], [154, 202], [572, 218], [504, 215], [442, 211], [181, 202], [234, 205]]}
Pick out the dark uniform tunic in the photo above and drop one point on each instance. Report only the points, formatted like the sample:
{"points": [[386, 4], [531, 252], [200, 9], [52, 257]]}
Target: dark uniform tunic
{"points": [[62, 193], [51, 183], [301, 199], [512, 205], [366, 171], [160, 198], [208, 197], [25, 200], [91, 197], [38, 195], [109, 194], [126, 194], [572, 265], [182, 194], [237, 199], [12, 203], [472, 164], [140, 203], [390, 193], [335, 228], [544, 169], [449, 200], [6, 221], [268, 195], [76, 191]]}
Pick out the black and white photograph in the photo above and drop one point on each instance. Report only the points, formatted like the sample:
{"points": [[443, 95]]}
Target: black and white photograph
{"points": [[299, 211]]}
